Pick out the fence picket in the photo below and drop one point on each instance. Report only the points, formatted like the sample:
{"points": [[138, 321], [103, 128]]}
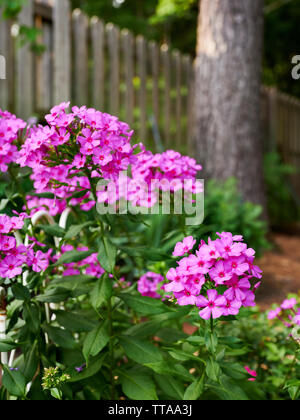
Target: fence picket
{"points": [[25, 69], [62, 51], [154, 58], [178, 110], [142, 74], [44, 99], [98, 70], [128, 54], [166, 62], [80, 45], [113, 36]]}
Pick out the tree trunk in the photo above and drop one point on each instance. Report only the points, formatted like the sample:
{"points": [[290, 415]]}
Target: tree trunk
{"points": [[227, 95]]}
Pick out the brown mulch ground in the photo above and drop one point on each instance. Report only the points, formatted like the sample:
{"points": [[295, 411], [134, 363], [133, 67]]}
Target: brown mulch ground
{"points": [[281, 268]]}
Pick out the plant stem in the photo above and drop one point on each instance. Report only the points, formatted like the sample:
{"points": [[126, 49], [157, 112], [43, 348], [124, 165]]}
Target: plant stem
{"points": [[211, 325], [111, 349]]}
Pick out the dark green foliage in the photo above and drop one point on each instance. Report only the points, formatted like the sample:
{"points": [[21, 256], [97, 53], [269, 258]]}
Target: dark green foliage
{"points": [[283, 203]]}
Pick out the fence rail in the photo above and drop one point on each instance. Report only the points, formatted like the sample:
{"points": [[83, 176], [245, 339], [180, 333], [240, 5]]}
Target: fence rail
{"points": [[97, 64]]}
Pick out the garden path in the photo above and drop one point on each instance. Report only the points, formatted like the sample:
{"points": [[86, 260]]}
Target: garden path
{"points": [[281, 268]]}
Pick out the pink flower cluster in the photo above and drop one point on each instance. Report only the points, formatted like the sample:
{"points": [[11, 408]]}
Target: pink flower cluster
{"points": [[216, 278], [288, 313], [149, 283], [72, 143], [12, 256], [170, 170], [10, 126]]}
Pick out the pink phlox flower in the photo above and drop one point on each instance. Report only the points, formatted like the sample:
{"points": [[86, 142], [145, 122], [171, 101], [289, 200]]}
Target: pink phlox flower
{"points": [[7, 243], [232, 307], [289, 304], [10, 267], [238, 288], [40, 262], [219, 273], [252, 373], [213, 305], [249, 299], [237, 265], [187, 296], [198, 264], [148, 284]]}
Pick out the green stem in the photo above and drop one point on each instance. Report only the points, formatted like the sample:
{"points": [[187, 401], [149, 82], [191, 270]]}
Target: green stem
{"points": [[212, 325], [111, 349]]}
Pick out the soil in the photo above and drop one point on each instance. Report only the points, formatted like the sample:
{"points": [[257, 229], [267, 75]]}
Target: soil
{"points": [[281, 270]]}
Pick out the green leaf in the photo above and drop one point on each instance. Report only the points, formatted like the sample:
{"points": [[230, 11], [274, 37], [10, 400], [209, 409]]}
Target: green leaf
{"points": [[234, 370], [195, 390], [95, 341], [74, 322], [14, 381], [91, 370], [75, 230], [144, 329], [213, 370], [73, 256], [31, 362], [184, 356], [231, 391], [211, 341], [170, 386], [53, 230], [102, 292], [60, 337], [140, 351], [138, 386], [107, 255], [56, 295], [144, 305], [32, 316], [8, 345], [151, 254], [56, 393], [163, 368], [294, 392], [20, 292], [72, 282], [171, 335]]}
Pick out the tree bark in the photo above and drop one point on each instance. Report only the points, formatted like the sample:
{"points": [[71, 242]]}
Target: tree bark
{"points": [[227, 128]]}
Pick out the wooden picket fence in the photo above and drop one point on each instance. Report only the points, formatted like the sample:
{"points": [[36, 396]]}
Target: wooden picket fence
{"points": [[147, 85], [281, 127], [97, 64]]}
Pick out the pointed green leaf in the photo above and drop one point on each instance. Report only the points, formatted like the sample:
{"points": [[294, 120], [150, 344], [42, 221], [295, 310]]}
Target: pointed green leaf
{"points": [[14, 381], [140, 351], [107, 255], [95, 341], [101, 292]]}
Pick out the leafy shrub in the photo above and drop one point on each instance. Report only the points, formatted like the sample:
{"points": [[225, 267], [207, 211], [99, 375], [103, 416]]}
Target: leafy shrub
{"points": [[272, 348], [283, 208]]}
